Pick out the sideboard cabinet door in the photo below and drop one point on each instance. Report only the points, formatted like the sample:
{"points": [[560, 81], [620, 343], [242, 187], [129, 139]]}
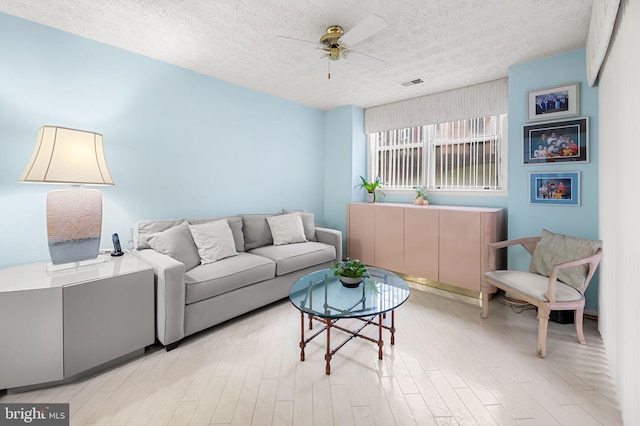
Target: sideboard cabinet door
{"points": [[360, 233], [421, 248], [460, 249], [389, 240]]}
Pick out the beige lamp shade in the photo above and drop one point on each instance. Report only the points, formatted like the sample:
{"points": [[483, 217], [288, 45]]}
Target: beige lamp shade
{"points": [[67, 156]]}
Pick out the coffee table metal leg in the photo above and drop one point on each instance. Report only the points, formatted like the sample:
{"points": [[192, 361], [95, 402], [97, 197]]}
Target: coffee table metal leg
{"points": [[393, 327], [302, 344], [380, 336], [327, 356]]}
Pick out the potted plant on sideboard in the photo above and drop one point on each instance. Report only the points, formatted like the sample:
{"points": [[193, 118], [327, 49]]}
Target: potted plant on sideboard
{"points": [[351, 272], [421, 196], [371, 188]]}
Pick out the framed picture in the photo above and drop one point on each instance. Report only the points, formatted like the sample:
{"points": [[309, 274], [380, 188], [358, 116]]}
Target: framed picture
{"points": [[556, 142], [558, 189], [553, 102]]}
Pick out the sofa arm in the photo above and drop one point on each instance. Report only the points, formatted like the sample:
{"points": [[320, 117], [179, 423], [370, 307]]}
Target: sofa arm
{"points": [[333, 237], [170, 294]]}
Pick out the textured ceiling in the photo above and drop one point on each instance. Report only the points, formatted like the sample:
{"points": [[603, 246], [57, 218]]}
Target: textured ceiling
{"points": [[446, 43]]}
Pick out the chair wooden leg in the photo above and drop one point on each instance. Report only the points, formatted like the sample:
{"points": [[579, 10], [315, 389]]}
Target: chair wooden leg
{"points": [[578, 321], [485, 302], [543, 322]]}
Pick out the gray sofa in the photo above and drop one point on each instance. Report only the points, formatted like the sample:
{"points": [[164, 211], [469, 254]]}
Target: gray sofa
{"points": [[251, 266]]}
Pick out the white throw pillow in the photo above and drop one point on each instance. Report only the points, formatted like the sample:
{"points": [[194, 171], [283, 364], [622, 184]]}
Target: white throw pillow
{"points": [[286, 229], [308, 222], [214, 241]]}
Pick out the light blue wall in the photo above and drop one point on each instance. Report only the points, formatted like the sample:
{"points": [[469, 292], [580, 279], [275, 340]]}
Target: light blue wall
{"points": [[346, 159], [525, 219], [178, 143]]}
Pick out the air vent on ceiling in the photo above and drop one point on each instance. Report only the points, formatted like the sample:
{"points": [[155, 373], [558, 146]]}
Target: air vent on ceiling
{"points": [[412, 82]]}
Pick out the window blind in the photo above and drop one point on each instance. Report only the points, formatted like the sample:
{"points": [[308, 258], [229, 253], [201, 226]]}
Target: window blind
{"points": [[479, 100]]}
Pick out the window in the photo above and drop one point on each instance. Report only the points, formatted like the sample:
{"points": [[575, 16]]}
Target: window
{"points": [[464, 155]]}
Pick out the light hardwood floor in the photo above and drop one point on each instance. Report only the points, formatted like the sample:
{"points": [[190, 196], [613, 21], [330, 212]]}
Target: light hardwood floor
{"points": [[448, 367]]}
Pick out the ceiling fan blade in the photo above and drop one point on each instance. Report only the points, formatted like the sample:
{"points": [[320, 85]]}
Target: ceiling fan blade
{"points": [[368, 27], [296, 42], [370, 62]]}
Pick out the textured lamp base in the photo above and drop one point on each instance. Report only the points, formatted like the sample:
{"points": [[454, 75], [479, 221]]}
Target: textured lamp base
{"points": [[74, 224]]}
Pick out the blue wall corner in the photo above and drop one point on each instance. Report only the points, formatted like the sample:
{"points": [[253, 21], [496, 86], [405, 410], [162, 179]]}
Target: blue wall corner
{"points": [[345, 153], [526, 219]]}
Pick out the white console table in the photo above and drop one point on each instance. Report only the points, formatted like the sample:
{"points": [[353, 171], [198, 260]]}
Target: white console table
{"points": [[57, 325]]}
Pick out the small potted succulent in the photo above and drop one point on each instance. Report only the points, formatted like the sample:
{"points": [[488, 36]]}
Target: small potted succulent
{"points": [[421, 196], [350, 271], [371, 188]]}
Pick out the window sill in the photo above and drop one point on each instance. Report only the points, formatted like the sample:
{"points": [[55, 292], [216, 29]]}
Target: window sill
{"points": [[446, 192]]}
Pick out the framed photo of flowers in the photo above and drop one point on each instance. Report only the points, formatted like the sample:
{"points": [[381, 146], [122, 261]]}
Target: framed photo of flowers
{"points": [[556, 142], [559, 189]]}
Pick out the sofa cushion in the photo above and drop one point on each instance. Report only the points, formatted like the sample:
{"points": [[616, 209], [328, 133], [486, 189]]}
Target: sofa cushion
{"points": [[214, 240], [256, 231], [293, 257], [146, 228], [553, 249], [235, 223], [286, 229], [177, 243], [213, 279], [308, 222]]}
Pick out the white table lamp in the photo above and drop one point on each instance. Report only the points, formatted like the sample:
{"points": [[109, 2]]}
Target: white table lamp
{"points": [[74, 215]]}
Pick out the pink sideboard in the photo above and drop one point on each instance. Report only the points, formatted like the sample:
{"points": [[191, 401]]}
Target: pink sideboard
{"points": [[441, 244]]}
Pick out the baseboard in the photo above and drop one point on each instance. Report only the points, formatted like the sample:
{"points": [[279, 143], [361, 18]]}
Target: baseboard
{"points": [[441, 286], [592, 315]]}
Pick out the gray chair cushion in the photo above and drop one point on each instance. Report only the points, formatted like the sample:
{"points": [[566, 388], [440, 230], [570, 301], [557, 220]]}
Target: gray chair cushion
{"points": [[212, 279], [533, 285], [235, 223], [294, 257], [256, 231], [553, 249]]}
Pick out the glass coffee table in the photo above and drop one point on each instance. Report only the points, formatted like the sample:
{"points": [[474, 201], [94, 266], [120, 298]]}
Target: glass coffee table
{"points": [[322, 297]]}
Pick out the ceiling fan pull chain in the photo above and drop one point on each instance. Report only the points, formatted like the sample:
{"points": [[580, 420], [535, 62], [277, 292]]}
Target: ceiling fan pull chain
{"points": [[329, 72]]}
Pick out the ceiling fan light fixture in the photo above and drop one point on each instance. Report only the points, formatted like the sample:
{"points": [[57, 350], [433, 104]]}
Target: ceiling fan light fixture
{"points": [[332, 35]]}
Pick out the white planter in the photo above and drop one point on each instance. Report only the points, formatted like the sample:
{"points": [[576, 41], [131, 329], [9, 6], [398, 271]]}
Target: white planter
{"points": [[350, 282], [370, 197]]}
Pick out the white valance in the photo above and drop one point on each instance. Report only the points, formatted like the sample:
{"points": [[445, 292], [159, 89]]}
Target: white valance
{"points": [[603, 17], [479, 100]]}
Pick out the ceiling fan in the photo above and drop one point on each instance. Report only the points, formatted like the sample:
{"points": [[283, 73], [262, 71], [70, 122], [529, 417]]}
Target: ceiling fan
{"points": [[337, 44]]}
